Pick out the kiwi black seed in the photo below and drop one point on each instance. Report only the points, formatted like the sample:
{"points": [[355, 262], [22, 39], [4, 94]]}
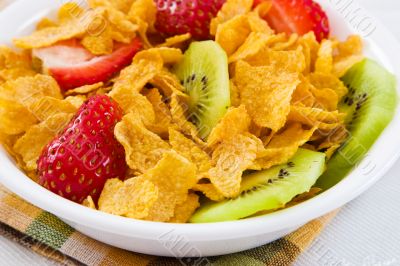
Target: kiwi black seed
{"points": [[370, 106], [267, 190], [204, 74]]}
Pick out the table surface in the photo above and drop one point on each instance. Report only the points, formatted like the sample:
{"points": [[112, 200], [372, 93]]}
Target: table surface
{"points": [[366, 232]]}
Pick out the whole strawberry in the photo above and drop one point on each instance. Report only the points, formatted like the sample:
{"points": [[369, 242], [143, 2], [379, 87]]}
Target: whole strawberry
{"points": [[176, 17], [78, 162]]}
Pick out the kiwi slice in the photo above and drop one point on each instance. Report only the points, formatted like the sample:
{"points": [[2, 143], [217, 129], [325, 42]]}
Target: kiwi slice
{"points": [[204, 74], [370, 105], [267, 190]]}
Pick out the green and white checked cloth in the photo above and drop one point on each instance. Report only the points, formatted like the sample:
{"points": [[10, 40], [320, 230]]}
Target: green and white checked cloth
{"points": [[49, 236]]}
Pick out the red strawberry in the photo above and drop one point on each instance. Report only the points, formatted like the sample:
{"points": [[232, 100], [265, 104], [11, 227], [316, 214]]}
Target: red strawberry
{"points": [[186, 16], [298, 16], [78, 162], [74, 66]]}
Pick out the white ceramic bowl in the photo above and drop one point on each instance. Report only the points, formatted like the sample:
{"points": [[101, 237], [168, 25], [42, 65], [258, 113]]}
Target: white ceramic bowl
{"points": [[180, 240]]}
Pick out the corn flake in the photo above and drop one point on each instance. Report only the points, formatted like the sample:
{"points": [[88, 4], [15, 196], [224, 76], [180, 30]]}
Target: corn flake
{"points": [[229, 10], [122, 5], [310, 47], [99, 44], [176, 40], [322, 81], [145, 10], [18, 100], [76, 101], [174, 175], [143, 148], [190, 150], [230, 159], [50, 35], [324, 120], [258, 24], [47, 107], [10, 59], [89, 202], [30, 145], [210, 191], [346, 55], [15, 73], [163, 116], [236, 121], [287, 44], [85, 89], [326, 99], [288, 61], [68, 12], [168, 55], [303, 94], [132, 198], [324, 63], [136, 103], [234, 92], [185, 210], [252, 45], [134, 77], [45, 23], [232, 34], [283, 146], [168, 83], [120, 22], [27, 90], [179, 108], [15, 118], [273, 88]]}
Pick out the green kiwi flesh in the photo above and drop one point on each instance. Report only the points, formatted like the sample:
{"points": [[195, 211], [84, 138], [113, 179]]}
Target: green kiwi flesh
{"points": [[204, 74], [370, 105], [267, 190]]}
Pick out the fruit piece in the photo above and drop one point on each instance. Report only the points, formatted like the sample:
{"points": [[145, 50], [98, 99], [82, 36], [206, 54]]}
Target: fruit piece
{"points": [[73, 66], [78, 162], [298, 16], [267, 190], [175, 17], [204, 74], [370, 106]]}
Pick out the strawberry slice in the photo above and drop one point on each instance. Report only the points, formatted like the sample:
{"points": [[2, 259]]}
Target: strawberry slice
{"points": [[176, 17], [78, 162], [74, 66], [298, 16]]}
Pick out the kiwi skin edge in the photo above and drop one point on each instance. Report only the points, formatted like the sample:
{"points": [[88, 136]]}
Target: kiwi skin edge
{"points": [[375, 90]]}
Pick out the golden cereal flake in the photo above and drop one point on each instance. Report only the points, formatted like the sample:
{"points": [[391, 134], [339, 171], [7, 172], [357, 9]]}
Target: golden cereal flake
{"points": [[190, 150], [266, 92], [132, 198], [235, 121], [143, 148], [230, 159], [174, 176], [185, 210]]}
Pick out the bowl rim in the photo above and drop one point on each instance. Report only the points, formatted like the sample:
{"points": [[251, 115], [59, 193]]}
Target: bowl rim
{"points": [[383, 155]]}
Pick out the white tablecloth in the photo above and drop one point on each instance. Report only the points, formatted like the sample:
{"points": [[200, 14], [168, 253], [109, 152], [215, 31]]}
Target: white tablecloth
{"points": [[366, 232]]}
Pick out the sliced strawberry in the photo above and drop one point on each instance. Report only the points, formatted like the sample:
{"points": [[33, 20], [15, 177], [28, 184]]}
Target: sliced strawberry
{"points": [[79, 161], [298, 16], [74, 66], [186, 16]]}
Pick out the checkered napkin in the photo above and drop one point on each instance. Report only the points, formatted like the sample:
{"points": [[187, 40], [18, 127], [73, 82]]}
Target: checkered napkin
{"points": [[49, 236]]}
